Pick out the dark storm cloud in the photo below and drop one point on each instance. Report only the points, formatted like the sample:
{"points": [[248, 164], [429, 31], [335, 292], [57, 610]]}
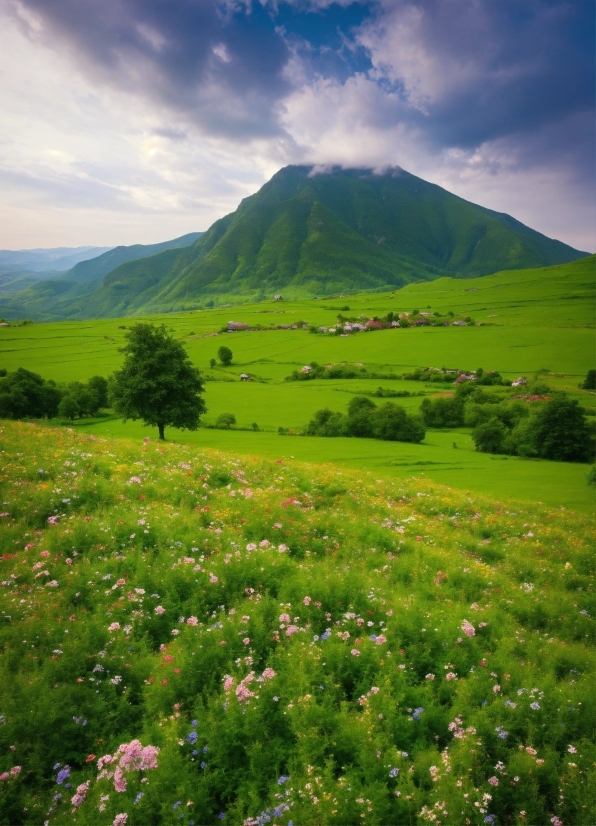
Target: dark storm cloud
{"points": [[505, 68], [219, 64]]}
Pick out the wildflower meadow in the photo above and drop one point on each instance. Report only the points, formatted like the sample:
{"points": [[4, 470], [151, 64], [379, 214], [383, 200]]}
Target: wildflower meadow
{"points": [[192, 637]]}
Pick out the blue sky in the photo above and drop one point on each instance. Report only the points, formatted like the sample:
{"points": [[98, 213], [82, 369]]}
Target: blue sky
{"points": [[136, 120]]}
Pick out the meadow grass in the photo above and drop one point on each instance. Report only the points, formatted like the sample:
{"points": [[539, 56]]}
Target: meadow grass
{"points": [[297, 644], [535, 319]]}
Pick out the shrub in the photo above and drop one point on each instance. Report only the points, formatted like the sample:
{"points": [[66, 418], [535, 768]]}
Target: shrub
{"points": [[589, 382], [443, 412], [560, 432], [225, 420], [224, 354], [489, 437]]}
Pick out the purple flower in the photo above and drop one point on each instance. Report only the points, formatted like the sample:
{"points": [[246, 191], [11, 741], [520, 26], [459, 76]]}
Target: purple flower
{"points": [[393, 772], [283, 779], [535, 706], [62, 775]]}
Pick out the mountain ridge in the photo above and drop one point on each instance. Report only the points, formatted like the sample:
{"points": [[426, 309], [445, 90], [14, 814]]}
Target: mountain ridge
{"points": [[309, 232]]}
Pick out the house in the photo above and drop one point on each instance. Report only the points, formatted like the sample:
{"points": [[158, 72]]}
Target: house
{"points": [[458, 323], [519, 382], [244, 377], [306, 369], [278, 297]]}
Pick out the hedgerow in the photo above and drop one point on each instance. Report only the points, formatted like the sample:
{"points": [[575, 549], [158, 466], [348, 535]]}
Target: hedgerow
{"points": [[192, 637]]}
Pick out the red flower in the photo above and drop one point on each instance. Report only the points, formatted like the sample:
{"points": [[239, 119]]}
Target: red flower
{"points": [[90, 758]]}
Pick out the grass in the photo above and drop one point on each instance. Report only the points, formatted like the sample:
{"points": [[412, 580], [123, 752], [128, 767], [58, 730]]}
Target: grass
{"points": [[535, 319], [299, 644]]}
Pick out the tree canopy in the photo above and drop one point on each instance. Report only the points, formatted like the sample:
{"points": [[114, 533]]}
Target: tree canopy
{"points": [[225, 355], [157, 382]]}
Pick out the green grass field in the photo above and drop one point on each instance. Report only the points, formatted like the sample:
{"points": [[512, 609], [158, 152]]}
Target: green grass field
{"points": [[534, 320]]}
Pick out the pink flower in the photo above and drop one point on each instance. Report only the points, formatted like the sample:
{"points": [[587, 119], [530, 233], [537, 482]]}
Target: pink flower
{"points": [[228, 682], [189, 560], [53, 520], [120, 582], [430, 677], [451, 676], [119, 780], [192, 621], [246, 641], [269, 673], [251, 546], [494, 781], [306, 601], [381, 639], [4, 775], [16, 770], [360, 621], [115, 626], [120, 819], [291, 629], [160, 610], [284, 617], [277, 525], [468, 628], [571, 749], [264, 543], [45, 553], [496, 689], [282, 548], [104, 761], [81, 793], [68, 561], [354, 652], [213, 579]]}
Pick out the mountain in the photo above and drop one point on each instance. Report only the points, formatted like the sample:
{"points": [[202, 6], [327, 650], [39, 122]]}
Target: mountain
{"points": [[61, 297], [340, 231], [55, 260], [307, 233], [96, 268]]}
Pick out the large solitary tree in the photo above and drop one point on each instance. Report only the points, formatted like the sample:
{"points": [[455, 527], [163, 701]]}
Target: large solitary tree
{"points": [[157, 382]]}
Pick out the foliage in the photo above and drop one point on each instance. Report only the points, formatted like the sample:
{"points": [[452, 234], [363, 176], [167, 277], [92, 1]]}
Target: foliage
{"points": [[589, 382], [365, 420], [270, 642], [26, 394], [560, 432], [225, 420], [157, 382], [443, 412], [224, 354]]}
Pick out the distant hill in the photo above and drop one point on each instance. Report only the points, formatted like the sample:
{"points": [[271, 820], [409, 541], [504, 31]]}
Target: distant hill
{"points": [[306, 233], [96, 268], [49, 296]]}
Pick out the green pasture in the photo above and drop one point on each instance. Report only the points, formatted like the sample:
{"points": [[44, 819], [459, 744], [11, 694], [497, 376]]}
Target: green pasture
{"points": [[534, 320]]}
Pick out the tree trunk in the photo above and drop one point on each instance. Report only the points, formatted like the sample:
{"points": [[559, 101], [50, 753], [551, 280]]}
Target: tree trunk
{"points": [[161, 431]]}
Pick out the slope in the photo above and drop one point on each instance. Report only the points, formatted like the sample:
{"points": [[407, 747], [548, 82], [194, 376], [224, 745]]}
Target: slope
{"points": [[318, 234]]}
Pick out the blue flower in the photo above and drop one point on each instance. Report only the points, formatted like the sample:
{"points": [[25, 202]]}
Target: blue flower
{"points": [[192, 737], [203, 764], [62, 775], [283, 779], [221, 816], [194, 724], [373, 637], [176, 804], [393, 772], [194, 752], [138, 797], [205, 749]]}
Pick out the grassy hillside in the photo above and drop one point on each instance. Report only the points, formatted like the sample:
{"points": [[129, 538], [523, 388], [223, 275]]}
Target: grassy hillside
{"points": [[286, 643], [307, 234]]}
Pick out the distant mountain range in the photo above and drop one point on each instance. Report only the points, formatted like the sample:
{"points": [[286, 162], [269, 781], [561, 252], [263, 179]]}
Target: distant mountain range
{"points": [[304, 233]]}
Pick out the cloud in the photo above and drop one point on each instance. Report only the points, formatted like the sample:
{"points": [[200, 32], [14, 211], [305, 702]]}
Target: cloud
{"points": [[168, 113]]}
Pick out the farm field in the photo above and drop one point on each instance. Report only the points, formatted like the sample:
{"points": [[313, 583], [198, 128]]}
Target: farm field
{"points": [[194, 636], [535, 320]]}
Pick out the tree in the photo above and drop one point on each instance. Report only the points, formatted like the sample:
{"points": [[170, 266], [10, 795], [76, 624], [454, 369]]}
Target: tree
{"points": [[99, 386], [24, 393], [224, 354], [359, 416], [393, 424], [489, 437], [158, 382], [589, 382], [212, 363], [69, 407], [559, 431], [225, 420]]}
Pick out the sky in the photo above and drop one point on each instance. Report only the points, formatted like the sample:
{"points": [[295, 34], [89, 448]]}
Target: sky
{"points": [[135, 121]]}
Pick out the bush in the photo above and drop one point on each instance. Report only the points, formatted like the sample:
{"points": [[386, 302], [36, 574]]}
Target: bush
{"points": [[490, 436], [225, 420], [26, 394], [69, 407], [366, 420], [560, 432], [445, 412], [224, 354], [589, 382]]}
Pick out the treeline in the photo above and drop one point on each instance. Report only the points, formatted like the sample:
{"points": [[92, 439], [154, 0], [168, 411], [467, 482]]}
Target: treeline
{"points": [[24, 394], [548, 428], [337, 371], [367, 421], [486, 378]]}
